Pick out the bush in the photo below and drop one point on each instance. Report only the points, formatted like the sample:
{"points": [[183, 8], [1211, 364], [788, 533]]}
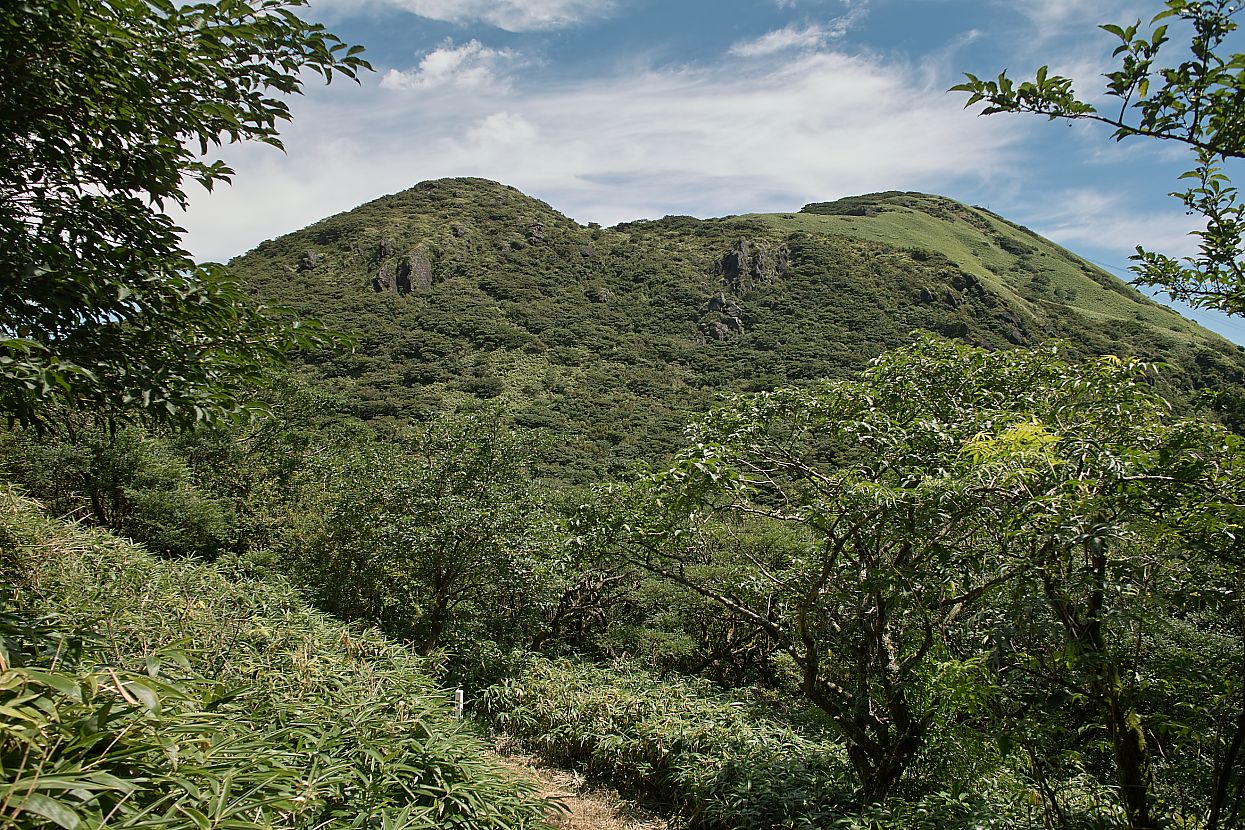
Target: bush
{"points": [[723, 763]]}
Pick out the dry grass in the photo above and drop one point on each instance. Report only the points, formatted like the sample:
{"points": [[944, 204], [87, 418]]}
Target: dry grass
{"points": [[580, 806]]}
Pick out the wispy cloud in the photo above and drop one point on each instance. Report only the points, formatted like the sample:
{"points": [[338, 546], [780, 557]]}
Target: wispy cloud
{"points": [[1055, 18], [511, 15], [707, 140], [786, 39], [470, 65], [812, 36], [1091, 218]]}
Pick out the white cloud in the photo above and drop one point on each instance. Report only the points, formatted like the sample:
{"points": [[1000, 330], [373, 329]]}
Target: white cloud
{"points": [[782, 40], [511, 15], [469, 65], [792, 38], [501, 129], [709, 140], [1105, 221], [1052, 18]]}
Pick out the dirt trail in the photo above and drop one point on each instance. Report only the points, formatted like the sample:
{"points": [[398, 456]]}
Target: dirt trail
{"points": [[585, 807]]}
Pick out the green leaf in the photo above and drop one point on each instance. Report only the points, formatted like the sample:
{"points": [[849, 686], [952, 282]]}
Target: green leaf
{"points": [[50, 809]]}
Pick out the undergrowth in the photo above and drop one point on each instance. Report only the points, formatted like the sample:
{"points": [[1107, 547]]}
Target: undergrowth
{"points": [[715, 759], [723, 763], [140, 693]]}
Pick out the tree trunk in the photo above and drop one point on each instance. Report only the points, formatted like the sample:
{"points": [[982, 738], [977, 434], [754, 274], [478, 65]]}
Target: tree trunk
{"points": [[438, 616], [1132, 755], [1134, 776], [881, 770]]}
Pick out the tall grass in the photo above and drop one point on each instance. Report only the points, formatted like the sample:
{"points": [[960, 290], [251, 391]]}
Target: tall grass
{"points": [[722, 763], [139, 693]]}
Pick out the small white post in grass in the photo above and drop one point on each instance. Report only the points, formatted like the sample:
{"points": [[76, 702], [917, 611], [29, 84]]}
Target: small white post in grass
{"points": [[458, 703]]}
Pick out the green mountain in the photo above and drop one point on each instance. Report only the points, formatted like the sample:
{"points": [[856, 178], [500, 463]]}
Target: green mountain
{"points": [[463, 291]]}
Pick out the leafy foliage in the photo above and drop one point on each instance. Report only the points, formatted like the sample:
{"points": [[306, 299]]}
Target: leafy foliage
{"points": [[106, 107], [1195, 102], [409, 534], [918, 496], [172, 695]]}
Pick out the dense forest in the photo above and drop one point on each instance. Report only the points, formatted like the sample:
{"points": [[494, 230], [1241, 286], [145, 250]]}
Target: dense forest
{"points": [[885, 513]]}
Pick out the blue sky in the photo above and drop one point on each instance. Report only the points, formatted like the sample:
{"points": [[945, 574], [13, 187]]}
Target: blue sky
{"points": [[613, 110]]}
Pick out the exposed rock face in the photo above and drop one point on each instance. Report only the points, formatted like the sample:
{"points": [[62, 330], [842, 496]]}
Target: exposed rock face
{"points": [[383, 281], [599, 294], [721, 329], [925, 297], [965, 282], [750, 264], [722, 304], [536, 233], [721, 318], [309, 261], [587, 251], [385, 249], [458, 231], [414, 272], [753, 263], [1013, 327]]}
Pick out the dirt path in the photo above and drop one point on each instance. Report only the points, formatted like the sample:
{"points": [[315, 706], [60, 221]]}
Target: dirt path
{"points": [[586, 807]]}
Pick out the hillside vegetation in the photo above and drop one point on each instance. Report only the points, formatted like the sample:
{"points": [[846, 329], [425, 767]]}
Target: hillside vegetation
{"points": [[782, 521], [464, 291], [143, 693]]}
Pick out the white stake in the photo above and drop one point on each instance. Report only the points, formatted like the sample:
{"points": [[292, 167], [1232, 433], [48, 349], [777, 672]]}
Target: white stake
{"points": [[458, 703]]}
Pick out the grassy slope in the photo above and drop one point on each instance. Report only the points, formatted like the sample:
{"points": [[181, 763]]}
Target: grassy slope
{"points": [[977, 241], [334, 726]]}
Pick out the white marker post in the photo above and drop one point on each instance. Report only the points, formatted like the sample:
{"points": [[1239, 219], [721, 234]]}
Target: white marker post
{"points": [[458, 703]]}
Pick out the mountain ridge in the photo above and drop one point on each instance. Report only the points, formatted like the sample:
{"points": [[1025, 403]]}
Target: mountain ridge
{"points": [[466, 292]]}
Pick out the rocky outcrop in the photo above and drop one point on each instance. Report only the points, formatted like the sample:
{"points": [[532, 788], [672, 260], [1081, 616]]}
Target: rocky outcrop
{"points": [[1012, 327], [383, 281], [721, 318], [721, 329], [722, 304], [753, 263], [412, 273], [308, 261], [961, 281]]}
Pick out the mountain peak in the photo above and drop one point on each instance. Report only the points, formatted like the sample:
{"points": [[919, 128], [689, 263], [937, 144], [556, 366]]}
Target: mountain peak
{"points": [[463, 290]]}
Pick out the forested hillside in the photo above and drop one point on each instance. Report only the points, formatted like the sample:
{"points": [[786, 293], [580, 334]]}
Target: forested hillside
{"points": [[886, 513], [464, 291]]}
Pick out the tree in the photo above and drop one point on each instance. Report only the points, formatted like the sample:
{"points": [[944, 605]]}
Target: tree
{"points": [[892, 536], [1196, 102], [942, 480], [107, 107], [406, 533]]}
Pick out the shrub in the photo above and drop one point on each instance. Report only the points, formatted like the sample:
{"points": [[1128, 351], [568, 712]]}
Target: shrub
{"points": [[721, 762]]}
